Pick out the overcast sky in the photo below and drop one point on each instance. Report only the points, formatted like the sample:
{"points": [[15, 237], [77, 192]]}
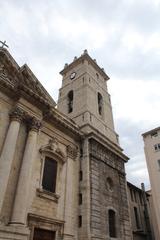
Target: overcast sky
{"points": [[123, 36]]}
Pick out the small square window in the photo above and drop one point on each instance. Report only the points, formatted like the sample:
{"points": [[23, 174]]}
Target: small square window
{"points": [[157, 147]]}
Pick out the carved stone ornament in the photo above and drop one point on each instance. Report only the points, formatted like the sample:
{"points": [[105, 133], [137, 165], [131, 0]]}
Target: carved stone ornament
{"points": [[53, 149], [34, 124], [3, 72], [17, 114], [72, 152]]}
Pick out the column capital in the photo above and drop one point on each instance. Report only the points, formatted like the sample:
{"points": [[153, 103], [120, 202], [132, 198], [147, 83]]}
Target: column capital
{"points": [[34, 124], [16, 114]]}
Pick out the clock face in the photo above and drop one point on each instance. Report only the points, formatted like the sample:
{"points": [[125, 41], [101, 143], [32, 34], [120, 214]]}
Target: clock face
{"points": [[72, 76]]}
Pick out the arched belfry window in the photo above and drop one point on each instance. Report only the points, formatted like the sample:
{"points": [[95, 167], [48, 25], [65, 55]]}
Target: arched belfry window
{"points": [[112, 223], [100, 103], [70, 101]]}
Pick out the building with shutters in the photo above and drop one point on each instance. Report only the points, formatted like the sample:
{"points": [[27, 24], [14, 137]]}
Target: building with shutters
{"points": [[62, 174]]}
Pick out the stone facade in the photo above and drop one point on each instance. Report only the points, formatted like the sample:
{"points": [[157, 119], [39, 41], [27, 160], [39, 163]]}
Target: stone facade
{"points": [[84, 87], [62, 173], [32, 129]]}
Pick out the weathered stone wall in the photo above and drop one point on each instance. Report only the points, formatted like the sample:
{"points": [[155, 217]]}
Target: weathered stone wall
{"points": [[104, 164]]}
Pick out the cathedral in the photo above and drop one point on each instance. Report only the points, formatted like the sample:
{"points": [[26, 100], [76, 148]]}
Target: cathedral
{"points": [[62, 174]]}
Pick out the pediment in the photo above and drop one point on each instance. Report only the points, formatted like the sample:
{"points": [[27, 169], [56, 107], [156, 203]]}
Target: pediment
{"points": [[53, 149], [9, 69], [32, 83], [21, 78]]}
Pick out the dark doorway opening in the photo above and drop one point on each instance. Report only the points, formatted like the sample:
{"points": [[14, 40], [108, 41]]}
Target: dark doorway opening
{"points": [[41, 234]]}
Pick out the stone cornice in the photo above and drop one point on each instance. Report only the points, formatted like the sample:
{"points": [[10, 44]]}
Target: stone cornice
{"points": [[53, 115], [38, 218], [85, 56], [19, 82], [108, 144]]}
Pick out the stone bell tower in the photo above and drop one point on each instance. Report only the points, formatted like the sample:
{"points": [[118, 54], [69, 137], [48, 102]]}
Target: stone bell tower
{"points": [[84, 96], [103, 205]]}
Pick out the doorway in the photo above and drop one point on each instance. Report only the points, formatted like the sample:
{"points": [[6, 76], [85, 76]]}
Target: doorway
{"points": [[42, 234]]}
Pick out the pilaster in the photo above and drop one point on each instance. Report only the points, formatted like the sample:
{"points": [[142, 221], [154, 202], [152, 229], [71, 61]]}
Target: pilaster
{"points": [[20, 207], [8, 151]]}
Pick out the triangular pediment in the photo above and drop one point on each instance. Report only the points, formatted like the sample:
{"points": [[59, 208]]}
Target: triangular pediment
{"points": [[31, 82], [9, 69], [21, 78]]}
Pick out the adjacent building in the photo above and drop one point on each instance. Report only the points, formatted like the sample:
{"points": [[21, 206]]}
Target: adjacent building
{"points": [[152, 153], [140, 213]]}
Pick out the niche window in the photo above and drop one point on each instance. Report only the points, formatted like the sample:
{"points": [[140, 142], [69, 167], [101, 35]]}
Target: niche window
{"points": [[112, 223], [100, 103], [70, 101], [80, 221], [80, 175], [80, 199], [109, 184], [49, 175]]}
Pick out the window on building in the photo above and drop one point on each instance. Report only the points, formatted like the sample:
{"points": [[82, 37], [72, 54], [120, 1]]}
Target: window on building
{"points": [[141, 198], [80, 221], [136, 218], [49, 175], [100, 104], [112, 223], [70, 101], [131, 192], [97, 75], [157, 147], [158, 163], [154, 134], [80, 175], [42, 234], [135, 196], [80, 199]]}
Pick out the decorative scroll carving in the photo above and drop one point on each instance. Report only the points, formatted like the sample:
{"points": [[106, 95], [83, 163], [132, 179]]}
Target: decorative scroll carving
{"points": [[53, 148], [17, 114], [72, 152]]}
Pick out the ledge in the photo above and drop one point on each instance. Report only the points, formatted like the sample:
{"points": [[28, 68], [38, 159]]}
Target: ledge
{"points": [[47, 195]]}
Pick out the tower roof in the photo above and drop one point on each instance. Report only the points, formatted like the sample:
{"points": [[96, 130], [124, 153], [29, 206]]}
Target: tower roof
{"points": [[85, 56]]}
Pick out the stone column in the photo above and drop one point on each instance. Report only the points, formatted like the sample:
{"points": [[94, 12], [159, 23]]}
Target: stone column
{"points": [[8, 151], [20, 206]]}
